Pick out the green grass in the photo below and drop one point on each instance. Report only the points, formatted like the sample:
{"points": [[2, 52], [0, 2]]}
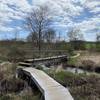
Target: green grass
{"points": [[72, 61]]}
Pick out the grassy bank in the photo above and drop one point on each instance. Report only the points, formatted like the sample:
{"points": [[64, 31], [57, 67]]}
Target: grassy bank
{"points": [[12, 88], [89, 61], [81, 86]]}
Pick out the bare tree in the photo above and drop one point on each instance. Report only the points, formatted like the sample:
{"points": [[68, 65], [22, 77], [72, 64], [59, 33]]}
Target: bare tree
{"points": [[98, 37], [33, 38], [98, 42], [50, 35], [38, 22], [74, 35], [16, 35], [76, 39]]}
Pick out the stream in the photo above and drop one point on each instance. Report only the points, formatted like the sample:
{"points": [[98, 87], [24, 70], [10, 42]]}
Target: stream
{"points": [[76, 70], [70, 69]]}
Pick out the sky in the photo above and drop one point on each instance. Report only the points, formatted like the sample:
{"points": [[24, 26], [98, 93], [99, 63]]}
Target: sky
{"points": [[67, 14]]}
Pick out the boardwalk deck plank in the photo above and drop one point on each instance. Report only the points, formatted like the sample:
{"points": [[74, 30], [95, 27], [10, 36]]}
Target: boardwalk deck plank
{"points": [[51, 89]]}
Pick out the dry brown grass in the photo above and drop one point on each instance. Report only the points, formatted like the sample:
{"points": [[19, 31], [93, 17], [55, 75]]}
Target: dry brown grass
{"points": [[8, 69], [90, 90], [12, 88], [81, 86], [91, 56]]}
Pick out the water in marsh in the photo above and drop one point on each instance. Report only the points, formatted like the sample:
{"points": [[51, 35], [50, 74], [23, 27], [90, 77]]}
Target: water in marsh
{"points": [[76, 70]]}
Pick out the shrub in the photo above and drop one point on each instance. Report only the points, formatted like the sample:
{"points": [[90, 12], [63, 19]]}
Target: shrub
{"points": [[16, 55], [64, 77], [71, 51], [1, 75], [5, 97], [72, 61], [11, 85], [88, 64], [39, 67]]}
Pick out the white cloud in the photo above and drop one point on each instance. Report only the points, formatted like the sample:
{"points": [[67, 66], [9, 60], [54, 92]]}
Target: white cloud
{"points": [[5, 29], [89, 25], [92, 5], [11, 10], [63, 12], [69, 7], [96, 10], [22, 5]]}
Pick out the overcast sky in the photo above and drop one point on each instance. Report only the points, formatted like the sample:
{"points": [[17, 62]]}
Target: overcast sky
{"points": [[82, 14]]}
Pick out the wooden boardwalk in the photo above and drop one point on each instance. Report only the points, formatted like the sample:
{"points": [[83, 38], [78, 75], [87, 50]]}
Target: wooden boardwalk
{"points": [[51, 89], [47, 58], [51, 60]]}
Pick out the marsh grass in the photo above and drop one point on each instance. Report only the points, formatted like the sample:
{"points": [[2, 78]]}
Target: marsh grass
{"points": [[81, 86], [12, 88]]}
